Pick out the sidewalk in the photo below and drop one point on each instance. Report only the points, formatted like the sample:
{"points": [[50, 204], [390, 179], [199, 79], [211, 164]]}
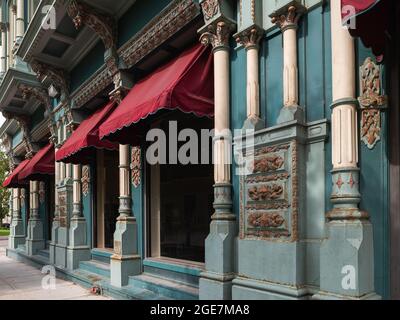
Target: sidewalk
{"points": [[22, 282]]}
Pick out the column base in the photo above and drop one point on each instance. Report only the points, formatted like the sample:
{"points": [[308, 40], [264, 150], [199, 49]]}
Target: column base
{"points": [[216, 282], [17, 234], [215, 286], [328, 296], [290, 113], [52, 253], [347, 260], [253, 123], [34, 241], [77, 254], [122, 267]]}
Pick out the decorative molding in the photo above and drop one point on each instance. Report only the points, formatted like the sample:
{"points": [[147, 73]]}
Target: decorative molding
{"points": [[39, 94], [288, 16], [210, 9], [371, 101], [172, 19], [92, 86], [85, 180], [136, 165], [58, 77]]}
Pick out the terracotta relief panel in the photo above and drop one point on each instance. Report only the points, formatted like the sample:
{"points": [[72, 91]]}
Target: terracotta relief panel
{"points": [[268, 195]]}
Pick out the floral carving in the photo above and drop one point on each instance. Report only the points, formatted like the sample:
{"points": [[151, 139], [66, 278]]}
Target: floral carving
{"points": [[370, 127], [85, 180], [250, 37], [136, 165], [371, 100], [217, 35], [210, 9], [265, 192], [267, 164], [288, 17], [38, 93], [269, 220]]}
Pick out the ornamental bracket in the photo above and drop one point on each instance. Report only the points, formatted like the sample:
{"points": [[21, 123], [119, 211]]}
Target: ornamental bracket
{"points": [[102, 24]]}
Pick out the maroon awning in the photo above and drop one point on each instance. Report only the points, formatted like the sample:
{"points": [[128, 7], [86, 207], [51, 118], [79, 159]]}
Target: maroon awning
{"points": [[185, 83], [41, 165], [78, 149], [13, 180], [371, 18]]}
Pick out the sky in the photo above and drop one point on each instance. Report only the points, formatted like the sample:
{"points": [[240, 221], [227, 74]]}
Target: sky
{"points": [[1, 119]]}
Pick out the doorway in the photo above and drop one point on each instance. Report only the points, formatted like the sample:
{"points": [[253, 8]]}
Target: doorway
{"points": [[107, 197]]}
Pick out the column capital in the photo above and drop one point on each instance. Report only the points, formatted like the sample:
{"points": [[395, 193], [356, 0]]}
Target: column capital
{"points": [[250, 37], [288, 16], [218, 34]]}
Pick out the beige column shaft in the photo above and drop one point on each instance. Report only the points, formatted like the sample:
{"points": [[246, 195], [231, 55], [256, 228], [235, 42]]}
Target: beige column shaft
{"points": [[77, 191], [124, 183], [20, 20], [222, 146], [344, 116], [17, 202], [290, 68], [253, 86]]}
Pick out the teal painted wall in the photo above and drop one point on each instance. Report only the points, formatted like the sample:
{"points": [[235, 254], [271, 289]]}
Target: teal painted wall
{"points": [[37, 117], [375, 196], [17, 138], [137, 17], [89, 65], [87, 208], [138, 210]]}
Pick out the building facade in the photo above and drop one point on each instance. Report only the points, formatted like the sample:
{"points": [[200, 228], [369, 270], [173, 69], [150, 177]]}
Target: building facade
{"points": [[296, 199]]}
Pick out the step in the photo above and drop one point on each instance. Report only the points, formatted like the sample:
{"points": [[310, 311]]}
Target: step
{"points": [[101, 255], [96, 267], [44, 253], [164, 287]]}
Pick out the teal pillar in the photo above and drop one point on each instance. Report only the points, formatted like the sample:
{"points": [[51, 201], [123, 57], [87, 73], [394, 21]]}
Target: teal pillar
{"points": [[35, 233]]}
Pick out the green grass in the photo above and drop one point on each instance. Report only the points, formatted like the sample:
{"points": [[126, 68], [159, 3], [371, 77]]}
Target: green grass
{"points": [[4, 232]]}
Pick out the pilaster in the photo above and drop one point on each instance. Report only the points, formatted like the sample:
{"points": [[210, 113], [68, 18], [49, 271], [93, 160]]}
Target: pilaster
{"points": [[17, 232]]}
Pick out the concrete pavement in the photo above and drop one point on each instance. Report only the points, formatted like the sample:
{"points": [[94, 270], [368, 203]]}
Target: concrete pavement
{"points": [[22, 282]]}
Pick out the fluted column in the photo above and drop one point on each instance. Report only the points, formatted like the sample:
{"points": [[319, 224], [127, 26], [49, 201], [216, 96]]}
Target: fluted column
{"points": [[250, 39], [216, 281], [347, 254], [20, 21], [3, 50], [125, 261], [287, 19]]}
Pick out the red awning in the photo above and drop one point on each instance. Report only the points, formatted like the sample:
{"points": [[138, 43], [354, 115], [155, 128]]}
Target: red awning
{"points": [[78, 149], [40, 166], [185, 83], [371, 22], [13, 180]]}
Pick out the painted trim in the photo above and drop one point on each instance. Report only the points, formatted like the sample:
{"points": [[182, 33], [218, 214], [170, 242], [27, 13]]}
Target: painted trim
{"points": [[171, 266]]}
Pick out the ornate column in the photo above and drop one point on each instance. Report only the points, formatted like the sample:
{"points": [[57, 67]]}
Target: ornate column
{"points": [[20, 21], [56, 220], [125, 261], [216, 281], [17, 232], [250, 33], [286, 18], [78, 249], [35, 237], [347, 262]]}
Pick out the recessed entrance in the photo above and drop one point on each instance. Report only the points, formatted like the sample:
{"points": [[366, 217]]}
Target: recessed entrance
{"points": [[107, 197], [181, 197]]}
